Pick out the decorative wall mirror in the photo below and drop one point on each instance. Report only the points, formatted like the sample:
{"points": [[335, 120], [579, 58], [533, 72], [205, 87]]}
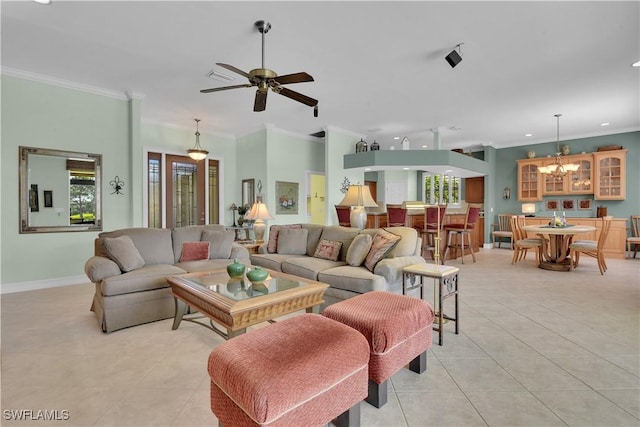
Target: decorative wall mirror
{"points": [[248, 192], [59, 191]]}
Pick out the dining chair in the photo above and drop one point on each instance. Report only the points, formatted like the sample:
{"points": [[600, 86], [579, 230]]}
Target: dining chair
{"points": [[522, 243], [592, 248], [502, 230], [634, 239], [452, 232], [396, 215], [433, 222], [344, 215]]}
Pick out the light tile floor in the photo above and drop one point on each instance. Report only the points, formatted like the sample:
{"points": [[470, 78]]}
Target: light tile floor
{"points": [[536, 348]]}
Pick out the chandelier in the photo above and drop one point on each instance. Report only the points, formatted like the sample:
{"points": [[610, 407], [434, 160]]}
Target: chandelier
{"points": [[197, 152], [558, 170]]}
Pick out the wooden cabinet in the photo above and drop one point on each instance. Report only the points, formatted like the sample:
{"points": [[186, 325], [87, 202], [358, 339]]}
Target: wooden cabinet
{"points": [[474, 190], [610, 175], [578, 182], [529, 182]]}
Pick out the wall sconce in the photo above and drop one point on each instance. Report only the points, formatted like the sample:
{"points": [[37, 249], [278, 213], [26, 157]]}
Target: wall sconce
{"points": [[506, 193]]}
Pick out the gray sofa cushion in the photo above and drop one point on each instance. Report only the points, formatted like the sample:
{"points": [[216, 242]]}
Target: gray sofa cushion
{"points": [[272, 261], [191, 233], [292, 241], [359, 249], [143, 279], [341, 234], [313, 238], [355, 279], [154, 244], [207, 265], [308, 267], [407, 244], [220, 243], [123, 252]]}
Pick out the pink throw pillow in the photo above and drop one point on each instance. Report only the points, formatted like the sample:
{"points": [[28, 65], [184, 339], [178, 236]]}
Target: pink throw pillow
{"points": [[194, 251], [383, 242], [328, 249]]}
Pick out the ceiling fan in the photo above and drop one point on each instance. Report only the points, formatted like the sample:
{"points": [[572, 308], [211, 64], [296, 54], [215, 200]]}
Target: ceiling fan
{"points": [[264, 79]]}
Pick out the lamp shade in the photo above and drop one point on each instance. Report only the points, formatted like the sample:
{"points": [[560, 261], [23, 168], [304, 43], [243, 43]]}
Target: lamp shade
{"points": [[528, 208], [258, 211], [358, 195]]}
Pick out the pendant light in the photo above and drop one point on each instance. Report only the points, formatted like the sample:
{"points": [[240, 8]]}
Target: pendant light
{"points": [[557, 170], [197, 152]]}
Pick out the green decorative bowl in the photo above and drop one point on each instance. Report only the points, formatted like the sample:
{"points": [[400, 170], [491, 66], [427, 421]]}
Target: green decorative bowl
{"points": [[236, 269], [257, 275]]}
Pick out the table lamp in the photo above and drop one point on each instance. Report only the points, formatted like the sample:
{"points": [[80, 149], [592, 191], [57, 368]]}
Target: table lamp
{"points": [[259, 213], [234, 208], [529, 209], [359, 198]]}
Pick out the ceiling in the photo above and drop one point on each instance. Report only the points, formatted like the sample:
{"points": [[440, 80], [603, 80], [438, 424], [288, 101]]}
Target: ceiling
{"points": [[379, 67]]}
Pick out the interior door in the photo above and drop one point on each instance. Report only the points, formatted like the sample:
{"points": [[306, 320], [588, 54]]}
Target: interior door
{"points": [[185, 192]]}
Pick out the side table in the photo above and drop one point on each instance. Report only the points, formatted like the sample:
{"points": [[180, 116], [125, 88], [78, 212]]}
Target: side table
{"points": [[448, 285], [251, 247]]}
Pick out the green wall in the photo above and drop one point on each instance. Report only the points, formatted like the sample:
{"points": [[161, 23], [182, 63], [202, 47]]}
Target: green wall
{"points": [[40, 115]]}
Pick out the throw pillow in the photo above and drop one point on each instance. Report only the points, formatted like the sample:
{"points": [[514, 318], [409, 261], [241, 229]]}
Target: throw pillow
{"points": [[220, 243], [292, 241], [328, 249], [274, 230], [359, 249], [194, 251], [382, 243], [123, 252]]}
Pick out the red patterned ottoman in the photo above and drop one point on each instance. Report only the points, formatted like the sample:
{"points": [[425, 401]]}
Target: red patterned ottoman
{"points": [[398, 329], [306, 370]]}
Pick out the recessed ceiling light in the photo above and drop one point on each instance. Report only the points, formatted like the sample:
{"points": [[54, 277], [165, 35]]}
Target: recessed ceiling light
{"points": [[528, 134], [448, 170], [636, 64], [396, 137], [406, 169], [367, 169], [43, 1], [374, 130], [425, 146], [605, 124]]}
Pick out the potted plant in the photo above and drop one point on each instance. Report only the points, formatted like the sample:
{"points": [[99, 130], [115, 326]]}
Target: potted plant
{"points": [[242, 210]]}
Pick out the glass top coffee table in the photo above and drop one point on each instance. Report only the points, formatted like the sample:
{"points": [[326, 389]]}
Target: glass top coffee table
{"points": [[236, 304]]}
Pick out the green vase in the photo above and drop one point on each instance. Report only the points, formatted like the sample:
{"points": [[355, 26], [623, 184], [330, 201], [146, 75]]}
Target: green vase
{"points": [[257, 275], [236, 269]]}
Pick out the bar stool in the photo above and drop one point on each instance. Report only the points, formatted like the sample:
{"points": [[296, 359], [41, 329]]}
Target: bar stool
{"points": [[396, 216], [463, 230], [433, 222]]}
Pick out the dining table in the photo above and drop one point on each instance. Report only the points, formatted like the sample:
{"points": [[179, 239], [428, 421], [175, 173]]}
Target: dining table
{"points": [[555, 243]]}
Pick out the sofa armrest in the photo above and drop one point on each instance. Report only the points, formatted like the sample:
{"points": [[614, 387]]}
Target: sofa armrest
{"points": [[391, 268], [238, 251], [98, 267], [262, 249]]}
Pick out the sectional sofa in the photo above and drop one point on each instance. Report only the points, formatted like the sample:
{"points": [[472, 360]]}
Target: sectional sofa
{"points": [[363, 261], [129, 268]]}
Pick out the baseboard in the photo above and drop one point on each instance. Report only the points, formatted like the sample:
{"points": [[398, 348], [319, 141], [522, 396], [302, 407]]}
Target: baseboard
{"points": [[487, 245], [9, 288]]}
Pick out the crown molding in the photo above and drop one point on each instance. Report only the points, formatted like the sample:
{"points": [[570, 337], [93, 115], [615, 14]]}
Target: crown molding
{"points": [[54, 81]]}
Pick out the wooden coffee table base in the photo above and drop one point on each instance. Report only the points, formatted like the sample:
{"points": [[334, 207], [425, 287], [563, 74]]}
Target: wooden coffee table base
{"points": [[235, 316]]}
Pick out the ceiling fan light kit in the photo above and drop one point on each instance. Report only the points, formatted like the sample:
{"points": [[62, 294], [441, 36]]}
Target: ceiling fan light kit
{"points": [[265, 79]]}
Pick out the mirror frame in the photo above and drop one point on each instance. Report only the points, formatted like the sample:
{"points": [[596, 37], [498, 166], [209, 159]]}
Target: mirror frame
{"points": [[248, 192], [24, 191]]}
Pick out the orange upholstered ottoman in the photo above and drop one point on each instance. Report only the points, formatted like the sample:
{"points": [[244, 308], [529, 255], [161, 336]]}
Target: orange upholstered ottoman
{"points": [[303, 371], [398, 329]]}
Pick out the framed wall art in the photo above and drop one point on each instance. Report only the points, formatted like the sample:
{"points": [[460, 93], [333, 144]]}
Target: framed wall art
{"points": [[34, 204], [584, 205], [568, 205], [48, 198], [552, 205], [287, 198]]}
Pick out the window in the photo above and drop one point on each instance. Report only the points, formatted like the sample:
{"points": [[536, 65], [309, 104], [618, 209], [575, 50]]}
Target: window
{"points": [[441, 189], [82, 192], [154, 190]]}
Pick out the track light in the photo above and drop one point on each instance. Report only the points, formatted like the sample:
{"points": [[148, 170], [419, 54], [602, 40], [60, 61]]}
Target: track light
{"points": [[315, 111], [454, 58]]}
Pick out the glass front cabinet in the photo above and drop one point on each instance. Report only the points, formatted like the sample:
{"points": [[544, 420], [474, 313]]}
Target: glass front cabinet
{"points": [[610, 175], [529, 182]]}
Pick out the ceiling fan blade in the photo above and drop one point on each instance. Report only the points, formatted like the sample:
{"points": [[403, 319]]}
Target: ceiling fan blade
{"points": [[297, 96], [234, 69], [218, 89], [260, 104], [293, 78]]}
